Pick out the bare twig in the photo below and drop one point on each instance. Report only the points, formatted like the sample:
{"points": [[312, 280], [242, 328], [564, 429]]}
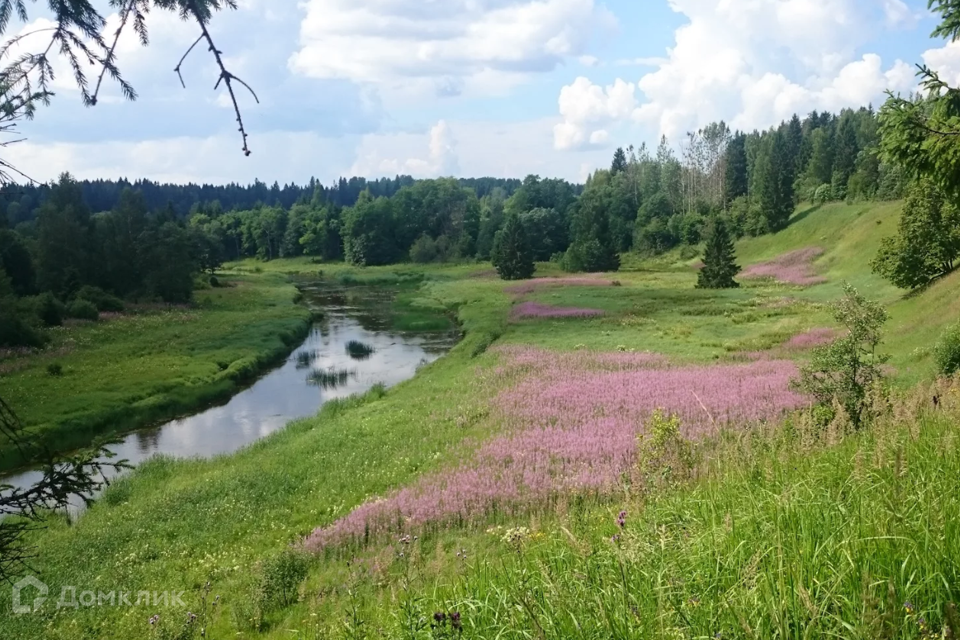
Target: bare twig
{"points": [[179, 64], [225, 76], [705, 410]]}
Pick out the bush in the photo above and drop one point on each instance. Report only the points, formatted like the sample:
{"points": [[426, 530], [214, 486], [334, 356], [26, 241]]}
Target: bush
{"points": [[14, 331], [843, 372], [424, 250], [280, 578], [83, 310], [946, 353], [664, 457], [102, 300], [50, 310], [822, 194], [55, 369]]}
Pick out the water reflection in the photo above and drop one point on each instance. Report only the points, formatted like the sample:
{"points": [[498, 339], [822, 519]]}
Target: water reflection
{"points": [[350, 315]]}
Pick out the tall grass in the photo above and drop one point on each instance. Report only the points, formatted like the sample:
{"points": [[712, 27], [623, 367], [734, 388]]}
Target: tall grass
{"points": [[782, 531]]}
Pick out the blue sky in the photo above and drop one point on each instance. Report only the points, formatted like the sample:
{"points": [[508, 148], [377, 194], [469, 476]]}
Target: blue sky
{"points": [[474, 87]]}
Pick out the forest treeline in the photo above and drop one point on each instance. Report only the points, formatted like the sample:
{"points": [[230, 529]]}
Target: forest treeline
{"points": [[21, 203], [647, 201], [74, 256]]}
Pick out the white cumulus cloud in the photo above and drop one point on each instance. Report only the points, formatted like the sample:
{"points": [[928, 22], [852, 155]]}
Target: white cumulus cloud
{"points": [[587, 107], [376, 155], [946, 62], [449, 46], [751, 63]]}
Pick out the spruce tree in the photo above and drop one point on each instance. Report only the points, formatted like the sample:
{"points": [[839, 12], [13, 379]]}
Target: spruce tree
{"points": [[719, 261], [619, 164], [736, 177], [774, 182], [512, 256]]}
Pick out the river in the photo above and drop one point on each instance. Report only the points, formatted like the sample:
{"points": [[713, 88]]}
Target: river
{"points": [[348, 351]]}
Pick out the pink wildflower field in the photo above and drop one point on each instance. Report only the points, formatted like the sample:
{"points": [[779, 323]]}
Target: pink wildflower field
{"points": [[810, 339], [536, 284], [537, 310], [795, 267], [570, 424]]}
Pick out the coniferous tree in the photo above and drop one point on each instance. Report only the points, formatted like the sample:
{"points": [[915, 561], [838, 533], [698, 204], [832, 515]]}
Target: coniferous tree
{"points": [[794, 142], [511, 255], [922, 134], [64, 239], [593, 247], [619, 164], [735, 180], [774, 184], [719, 259]]}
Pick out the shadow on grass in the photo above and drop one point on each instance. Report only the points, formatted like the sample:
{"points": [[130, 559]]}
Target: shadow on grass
{"points": [[803, 214]]}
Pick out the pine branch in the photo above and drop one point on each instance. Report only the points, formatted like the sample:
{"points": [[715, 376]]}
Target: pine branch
{"points": [[109, 63], [79, 475]]}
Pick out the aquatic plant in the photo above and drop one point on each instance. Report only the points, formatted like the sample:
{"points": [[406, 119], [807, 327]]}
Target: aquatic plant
{"points": [[358, 350], [305, 359], [330, 378]]}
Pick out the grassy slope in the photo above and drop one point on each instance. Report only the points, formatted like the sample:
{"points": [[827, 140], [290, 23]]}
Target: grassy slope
{"points": [[850, 237], [153, 365], [175, 525]]}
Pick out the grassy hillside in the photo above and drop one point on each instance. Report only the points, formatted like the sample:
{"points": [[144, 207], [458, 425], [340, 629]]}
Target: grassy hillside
{"points": [[481, 498]]}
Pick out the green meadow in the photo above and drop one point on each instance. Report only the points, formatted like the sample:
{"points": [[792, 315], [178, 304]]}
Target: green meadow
{"points": [[783, 530], [151, 364]]}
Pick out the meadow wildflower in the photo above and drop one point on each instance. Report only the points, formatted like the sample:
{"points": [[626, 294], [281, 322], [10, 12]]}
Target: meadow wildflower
{"points": [[794, 267]]}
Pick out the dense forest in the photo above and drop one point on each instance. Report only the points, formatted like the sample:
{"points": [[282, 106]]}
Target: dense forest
{"points": [[75, 248]]}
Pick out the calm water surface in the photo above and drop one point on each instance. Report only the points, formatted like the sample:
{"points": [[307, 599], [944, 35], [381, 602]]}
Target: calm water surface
{"points": [[321, 369]]}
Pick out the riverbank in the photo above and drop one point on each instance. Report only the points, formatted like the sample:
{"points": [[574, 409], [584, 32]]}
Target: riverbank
{"points": [[152, 363]]}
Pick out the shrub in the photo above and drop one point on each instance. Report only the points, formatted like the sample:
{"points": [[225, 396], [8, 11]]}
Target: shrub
{"points": [[665, 457], [946, 353], [102, 300], [845, 370], [279, 579], [55, 369], [83, 310], [49, 310], [14, 330], [424, 250], [822, 194]]}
